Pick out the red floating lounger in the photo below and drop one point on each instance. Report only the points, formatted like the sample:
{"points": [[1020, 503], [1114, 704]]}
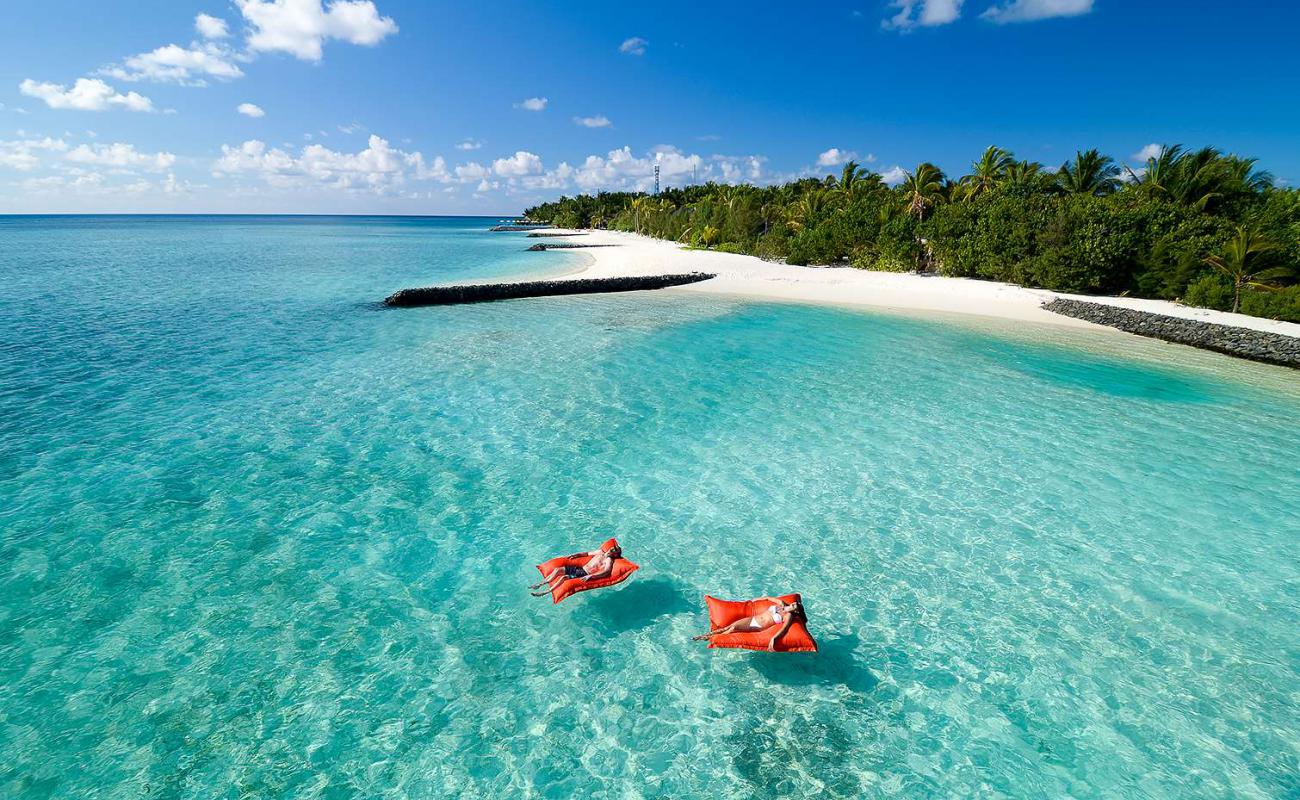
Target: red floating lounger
{"points": [[796, 639], [623, 569]]}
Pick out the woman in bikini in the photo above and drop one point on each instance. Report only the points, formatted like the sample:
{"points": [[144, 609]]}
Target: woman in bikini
{"points": [[779, 614]]}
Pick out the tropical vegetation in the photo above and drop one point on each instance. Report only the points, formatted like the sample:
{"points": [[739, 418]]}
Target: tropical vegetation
{"points": [[1199, 226]]}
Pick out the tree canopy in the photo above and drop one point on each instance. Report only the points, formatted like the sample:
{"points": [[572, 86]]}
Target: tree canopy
{"points": [[1173, 229]]}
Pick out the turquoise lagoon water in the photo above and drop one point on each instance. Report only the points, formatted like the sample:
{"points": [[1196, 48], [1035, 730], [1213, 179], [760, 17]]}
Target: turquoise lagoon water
{"points": [[260, 538]]}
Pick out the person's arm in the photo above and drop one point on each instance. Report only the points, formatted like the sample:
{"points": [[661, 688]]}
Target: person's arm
{"points": [[785, 626], [582, 555]]}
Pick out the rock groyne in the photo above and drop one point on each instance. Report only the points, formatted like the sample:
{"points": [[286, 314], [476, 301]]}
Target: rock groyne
{"points": [[566, 246], [487, 292], [1270, 348]]}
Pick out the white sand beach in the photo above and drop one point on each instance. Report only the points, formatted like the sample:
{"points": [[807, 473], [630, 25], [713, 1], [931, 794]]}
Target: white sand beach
{"points": [[750, 276]]}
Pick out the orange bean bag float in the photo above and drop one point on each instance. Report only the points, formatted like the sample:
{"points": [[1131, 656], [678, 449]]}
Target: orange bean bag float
{"points": [[722, 613], [623, 570]]}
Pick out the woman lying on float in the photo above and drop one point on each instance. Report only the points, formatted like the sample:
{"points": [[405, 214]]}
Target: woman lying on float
{"points": [[775, 624]]}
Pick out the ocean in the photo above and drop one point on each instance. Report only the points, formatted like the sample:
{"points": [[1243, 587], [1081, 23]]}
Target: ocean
{"points": [[261, 537]]}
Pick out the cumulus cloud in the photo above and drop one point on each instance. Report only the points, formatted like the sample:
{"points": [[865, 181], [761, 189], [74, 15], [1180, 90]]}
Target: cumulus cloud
{"points": [[87, 94], [210, 27], [834, 157], [533, 104], [120, 156], [86, 183], [1033, 10], [175, 64], [894, 176], [1150, 151], [470, 144], [520, 164], [633, 47], [924, 13], [473, 171], [22, 154], [251, 110], [598, 121], [620, 169], [301, 27], [380, 168]]}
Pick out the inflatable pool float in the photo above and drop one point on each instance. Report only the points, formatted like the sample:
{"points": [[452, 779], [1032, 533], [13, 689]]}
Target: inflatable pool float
{"points": [[724, 612], [623, 570]]}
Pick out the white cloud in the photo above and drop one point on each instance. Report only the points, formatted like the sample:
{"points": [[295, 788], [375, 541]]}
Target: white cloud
{"points": [[473, 171], [533, 104], [740, 169], [470, 144], [1150, 151], [120, 156], [86, 183], [379, 169], [87, 94], [598, 121], [301, 27], [251, 110], [520, 164], [1033, 10], [351, 128], [172, 186], [925, 13], [894, 176], [210, 27], [175, 64], [437, 171], [834, 157], [22, 154], [619, 169], [633, 47]]}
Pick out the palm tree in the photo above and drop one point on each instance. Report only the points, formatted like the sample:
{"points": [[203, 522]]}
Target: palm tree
{"points": [[708, 235], [850, 178], [923, 189], [804, 210], [1028, 176], [1199, 178], [987, 172], [1089, 173], [640, 208], [1249, 180], [769, 213], [1239, 261]]}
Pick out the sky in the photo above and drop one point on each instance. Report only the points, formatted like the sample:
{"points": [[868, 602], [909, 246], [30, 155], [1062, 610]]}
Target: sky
{"points": [[425, 107]]}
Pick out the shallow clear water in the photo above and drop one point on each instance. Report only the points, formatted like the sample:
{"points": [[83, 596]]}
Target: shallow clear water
{"points": [[260, 538]]}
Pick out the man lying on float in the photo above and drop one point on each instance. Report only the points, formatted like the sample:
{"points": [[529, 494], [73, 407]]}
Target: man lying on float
{"points": [[579, 572]]}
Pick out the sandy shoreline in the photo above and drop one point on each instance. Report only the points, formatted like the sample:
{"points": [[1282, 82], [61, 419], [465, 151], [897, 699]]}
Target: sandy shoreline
{"points": [[846, 286]]}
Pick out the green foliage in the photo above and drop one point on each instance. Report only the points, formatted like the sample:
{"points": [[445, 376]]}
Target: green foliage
{"points": [[1210, 291], [1283, 304], [1076, 229]]}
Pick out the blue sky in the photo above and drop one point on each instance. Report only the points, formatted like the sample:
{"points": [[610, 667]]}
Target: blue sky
{"points": [[416, 107]]}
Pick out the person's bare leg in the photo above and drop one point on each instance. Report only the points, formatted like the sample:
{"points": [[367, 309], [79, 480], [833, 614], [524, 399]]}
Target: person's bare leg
{"points": [[719, 631], [546, 579], [550, 587]]}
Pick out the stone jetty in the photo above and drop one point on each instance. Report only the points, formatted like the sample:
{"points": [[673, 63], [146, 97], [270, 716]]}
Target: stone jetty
{"points": [[486, 292], [1270, 348]]}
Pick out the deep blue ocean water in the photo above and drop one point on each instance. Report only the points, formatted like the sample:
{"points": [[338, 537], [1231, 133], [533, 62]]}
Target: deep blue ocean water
{"points": [[262, 538]]}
